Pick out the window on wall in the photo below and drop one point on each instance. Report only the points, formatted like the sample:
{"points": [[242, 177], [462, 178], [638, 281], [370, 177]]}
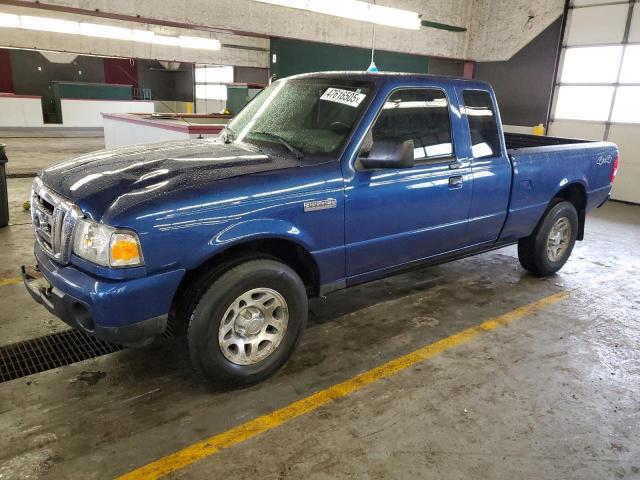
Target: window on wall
{"points": [[597, 91], [627, 105], [211, 92], [214, 74], [211, 81], [634, 31], [598, 80], [584, 103], [596, 24], [630, 72], [579, 64]]}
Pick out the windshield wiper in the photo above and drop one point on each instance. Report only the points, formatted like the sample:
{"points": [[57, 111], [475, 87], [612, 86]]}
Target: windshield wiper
{"points": [[299, 155], [228, 135]]}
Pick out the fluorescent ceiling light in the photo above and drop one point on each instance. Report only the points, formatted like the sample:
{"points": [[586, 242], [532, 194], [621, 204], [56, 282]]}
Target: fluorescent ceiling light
{"points": [[163, 40], [47, 24], [143, 36], [106, 31], [355, 10], [201, 43], [9, 20]]}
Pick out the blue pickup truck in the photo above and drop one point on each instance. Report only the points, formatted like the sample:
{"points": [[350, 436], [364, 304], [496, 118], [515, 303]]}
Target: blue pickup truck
{"points": [[322, 182]]}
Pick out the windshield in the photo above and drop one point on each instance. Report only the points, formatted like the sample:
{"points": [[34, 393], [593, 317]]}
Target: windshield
{"points": [[307, 116]]}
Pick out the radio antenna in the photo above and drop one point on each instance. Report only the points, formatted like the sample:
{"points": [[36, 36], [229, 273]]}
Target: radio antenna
{"points": [[372, 67]]}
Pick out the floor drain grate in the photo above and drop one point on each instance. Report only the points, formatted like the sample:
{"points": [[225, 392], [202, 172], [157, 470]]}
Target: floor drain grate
{"points": [[39, 354]]}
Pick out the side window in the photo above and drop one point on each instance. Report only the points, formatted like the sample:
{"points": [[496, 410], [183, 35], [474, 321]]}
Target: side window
{"points": [[421, 115], [485, 140]]}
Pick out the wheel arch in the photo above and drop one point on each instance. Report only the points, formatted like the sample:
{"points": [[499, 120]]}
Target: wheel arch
{"points": [[576, 194], [291, 252], [288, 251]]}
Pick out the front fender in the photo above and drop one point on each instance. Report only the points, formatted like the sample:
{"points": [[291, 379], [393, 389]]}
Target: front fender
{"points": [[260, 228]]}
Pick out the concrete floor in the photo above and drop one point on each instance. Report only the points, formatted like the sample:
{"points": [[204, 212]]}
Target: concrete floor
{"points": [[554, 395]]}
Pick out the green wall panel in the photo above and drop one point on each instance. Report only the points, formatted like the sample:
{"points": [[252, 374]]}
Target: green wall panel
{"points": [[296, 56], [95, 91], [238, 96]]}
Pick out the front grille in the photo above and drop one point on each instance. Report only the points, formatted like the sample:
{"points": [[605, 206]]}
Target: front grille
{"points": [[54, 219]]}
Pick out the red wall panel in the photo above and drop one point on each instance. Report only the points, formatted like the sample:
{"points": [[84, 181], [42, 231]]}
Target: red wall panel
{"points": [[121, 71], [6, 79]]}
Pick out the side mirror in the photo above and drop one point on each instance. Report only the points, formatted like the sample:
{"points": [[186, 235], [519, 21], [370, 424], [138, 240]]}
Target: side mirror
{"points": [[389, 154]]}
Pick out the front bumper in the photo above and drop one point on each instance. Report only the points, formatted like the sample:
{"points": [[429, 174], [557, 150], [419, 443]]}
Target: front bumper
{"points": [[127, 312]]}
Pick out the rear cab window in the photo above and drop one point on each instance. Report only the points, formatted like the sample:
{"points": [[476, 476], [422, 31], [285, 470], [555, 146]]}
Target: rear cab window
{"points": [[418, 114], [483, 124]]}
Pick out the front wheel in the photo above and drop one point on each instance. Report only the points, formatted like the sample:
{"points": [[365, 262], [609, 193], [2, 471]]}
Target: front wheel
{"points": [[548, 248], [247, 323]]}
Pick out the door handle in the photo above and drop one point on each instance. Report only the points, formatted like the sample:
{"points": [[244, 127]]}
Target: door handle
{"points": [[455, 182], [455, 165]]}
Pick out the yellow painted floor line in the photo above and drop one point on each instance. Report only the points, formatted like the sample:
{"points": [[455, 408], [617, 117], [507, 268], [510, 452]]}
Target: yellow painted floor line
{"points": [[10, 281], [252, 428]]}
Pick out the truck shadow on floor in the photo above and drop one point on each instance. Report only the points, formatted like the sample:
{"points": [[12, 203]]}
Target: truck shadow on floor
{"points": [[354, 322]]}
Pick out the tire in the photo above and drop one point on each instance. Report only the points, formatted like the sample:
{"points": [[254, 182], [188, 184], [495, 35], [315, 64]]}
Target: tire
{"points": [[247, 323], [548, 248]]}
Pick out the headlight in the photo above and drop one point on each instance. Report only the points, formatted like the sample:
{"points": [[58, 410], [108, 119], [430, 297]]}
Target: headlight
{"points": [[106, 246]]}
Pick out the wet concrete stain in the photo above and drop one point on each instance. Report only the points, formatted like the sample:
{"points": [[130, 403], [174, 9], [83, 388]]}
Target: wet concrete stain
{"points": [[534, 400], [91, 377]]}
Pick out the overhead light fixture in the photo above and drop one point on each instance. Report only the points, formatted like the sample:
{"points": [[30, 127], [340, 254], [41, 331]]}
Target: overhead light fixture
{"points": [[201, 43], [356, 10], [164, 40], [143, 36], [48, 24], [106, 31], [8, 20]]}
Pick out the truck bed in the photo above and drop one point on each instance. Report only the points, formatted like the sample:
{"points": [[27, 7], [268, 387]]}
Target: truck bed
{"points": [[516, 141], [542, 166]]}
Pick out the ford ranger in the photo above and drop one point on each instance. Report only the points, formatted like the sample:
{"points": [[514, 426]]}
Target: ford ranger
{"points": [[322, 182]]}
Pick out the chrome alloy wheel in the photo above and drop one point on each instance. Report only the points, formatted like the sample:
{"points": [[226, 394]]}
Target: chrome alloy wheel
{"points": [[253, 326], [559, 239]]}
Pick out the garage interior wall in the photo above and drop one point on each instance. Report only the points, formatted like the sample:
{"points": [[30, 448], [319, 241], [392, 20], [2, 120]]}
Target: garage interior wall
{"points": [[31, 73], [176, 85], [482, 30], [240, 50], [290, 57], [446, 66], [524, 83], [295, 56], [6, 80], [597, 90]]}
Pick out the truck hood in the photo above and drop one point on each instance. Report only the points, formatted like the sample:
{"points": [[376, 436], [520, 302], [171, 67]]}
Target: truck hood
{"points": [[131, 175]]}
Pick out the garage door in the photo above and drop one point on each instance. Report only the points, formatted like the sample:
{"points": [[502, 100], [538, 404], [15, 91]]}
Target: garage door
{"points": [[597, 92]]}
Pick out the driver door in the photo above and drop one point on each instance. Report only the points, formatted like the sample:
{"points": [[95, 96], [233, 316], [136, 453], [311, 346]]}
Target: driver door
{"points": [[395, 216]]}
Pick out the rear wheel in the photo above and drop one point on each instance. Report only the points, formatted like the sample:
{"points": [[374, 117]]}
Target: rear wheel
{"points": [[247, 323], [548, 248]]}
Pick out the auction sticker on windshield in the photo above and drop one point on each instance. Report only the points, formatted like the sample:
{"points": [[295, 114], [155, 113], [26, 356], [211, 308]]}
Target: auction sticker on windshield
{"points": [[346, 97]]}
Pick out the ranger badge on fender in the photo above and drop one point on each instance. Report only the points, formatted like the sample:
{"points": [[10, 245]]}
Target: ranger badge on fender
{"points": [[320, 205]]}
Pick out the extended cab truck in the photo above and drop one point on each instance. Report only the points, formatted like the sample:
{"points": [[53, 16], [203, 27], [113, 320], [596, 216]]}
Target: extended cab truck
{"points": [[322, 182]]}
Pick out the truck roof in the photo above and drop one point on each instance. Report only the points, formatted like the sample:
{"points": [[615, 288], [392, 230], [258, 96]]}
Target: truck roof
{"points": [[396, 77]]}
